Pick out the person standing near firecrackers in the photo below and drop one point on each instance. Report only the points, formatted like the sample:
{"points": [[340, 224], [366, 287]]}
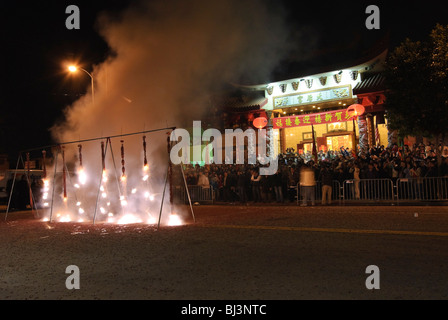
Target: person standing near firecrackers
{"points": [[293, 180], [266, 188], [23, 193], [231, 181], [255, 181], [214, 183], [241, 186], [36, 190], [444, 167], [307, 184], [326, 177], [220, 187], [225, 186], [277, 185], [203, 180], [431, 172], [416, 172], [13, 196], [356, 179]]}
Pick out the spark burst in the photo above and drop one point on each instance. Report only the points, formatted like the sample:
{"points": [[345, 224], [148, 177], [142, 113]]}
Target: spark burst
{"points": [[114, 208]]}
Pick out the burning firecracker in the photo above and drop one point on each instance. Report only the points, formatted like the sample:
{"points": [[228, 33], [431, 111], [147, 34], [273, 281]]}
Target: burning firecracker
{"points": [[81, 200]]}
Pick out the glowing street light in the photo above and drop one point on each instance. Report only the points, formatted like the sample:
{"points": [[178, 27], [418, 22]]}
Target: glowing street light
{"points": [[73, 69]]}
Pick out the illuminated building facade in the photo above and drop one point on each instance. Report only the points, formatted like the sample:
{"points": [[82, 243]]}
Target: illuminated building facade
{"points": [[320, 101]]}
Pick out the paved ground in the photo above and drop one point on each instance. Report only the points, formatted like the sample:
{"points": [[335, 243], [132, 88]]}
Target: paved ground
{"points": [[233, 252]]}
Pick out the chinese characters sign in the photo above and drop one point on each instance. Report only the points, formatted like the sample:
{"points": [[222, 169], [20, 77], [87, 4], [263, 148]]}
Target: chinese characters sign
{"points": [[313, 96], [315, 118]]}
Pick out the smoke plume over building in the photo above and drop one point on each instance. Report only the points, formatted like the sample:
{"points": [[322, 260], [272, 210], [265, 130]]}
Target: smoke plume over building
{"points": [[167, 58]]}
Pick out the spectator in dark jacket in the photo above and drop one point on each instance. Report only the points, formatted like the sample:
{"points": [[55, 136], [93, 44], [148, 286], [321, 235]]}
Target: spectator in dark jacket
{"points": [[431, 172], [241, 185], [326, 176], [23, 193], [371, 172], [255, 181], [277, 185]]}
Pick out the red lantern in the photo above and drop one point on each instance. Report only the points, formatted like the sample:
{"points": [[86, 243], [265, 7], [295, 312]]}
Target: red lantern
{"points": [[356, 110], [260, 122]]}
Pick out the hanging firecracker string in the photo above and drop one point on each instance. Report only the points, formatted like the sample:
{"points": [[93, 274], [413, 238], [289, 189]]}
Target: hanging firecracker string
{"points": [[80, 155], [64, 174], [104, 174], [28, 163], [145, 160], [123, 170], [123, 177], [81, 174], [102, 156], [44, 178], [44, 167], [28, 178], [168, 142], [147, 194], [103, 162], [170, 169]]}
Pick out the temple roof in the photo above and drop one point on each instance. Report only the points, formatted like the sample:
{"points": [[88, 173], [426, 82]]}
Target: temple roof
{"points": [[370, 83], [243, 104], [349, 58]]}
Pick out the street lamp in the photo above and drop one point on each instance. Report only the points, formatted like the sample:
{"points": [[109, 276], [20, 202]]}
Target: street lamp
{"points": [[74, 69]]}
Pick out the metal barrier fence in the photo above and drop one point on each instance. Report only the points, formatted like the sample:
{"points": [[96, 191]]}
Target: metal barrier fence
{"points": [[368, 189], [336, 195], [419, 189], [426, 189], [197, 194]]}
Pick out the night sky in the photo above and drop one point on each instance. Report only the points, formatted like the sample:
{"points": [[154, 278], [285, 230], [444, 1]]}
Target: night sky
{"points": [[35, 87]]}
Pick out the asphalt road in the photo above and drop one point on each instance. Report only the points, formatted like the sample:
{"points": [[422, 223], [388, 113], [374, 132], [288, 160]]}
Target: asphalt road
{"points": [[234, 253]]}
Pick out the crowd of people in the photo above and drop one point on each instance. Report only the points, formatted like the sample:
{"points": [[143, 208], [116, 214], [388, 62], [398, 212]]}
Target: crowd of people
{"points": [[243, 183]]}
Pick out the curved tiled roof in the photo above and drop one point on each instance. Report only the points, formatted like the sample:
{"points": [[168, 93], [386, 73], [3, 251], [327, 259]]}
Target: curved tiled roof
{"points": [[371, 83], [245, 105]]}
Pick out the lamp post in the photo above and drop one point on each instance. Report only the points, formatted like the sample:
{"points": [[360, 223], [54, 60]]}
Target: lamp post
{"points": [[73, 69]]}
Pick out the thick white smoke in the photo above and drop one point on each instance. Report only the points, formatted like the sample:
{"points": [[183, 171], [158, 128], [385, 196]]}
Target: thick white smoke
{"points": [[167, 58]]}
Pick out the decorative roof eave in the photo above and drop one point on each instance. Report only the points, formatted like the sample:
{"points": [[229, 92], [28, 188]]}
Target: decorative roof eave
{"points": [[256, 87], [360, 68], [372, 83], [251, 105]]}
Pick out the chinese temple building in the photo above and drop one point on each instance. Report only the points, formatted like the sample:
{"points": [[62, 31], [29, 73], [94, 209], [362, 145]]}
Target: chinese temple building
{"points": [[296, 107]]}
